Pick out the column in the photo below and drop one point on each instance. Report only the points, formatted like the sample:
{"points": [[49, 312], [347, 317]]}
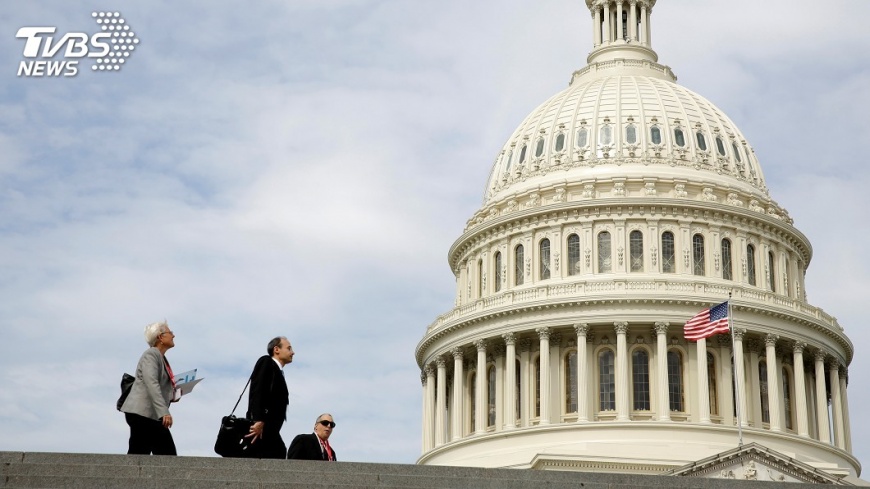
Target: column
{"points": [[632, 29], [649, 27], [510, 381], [664, 405], [773, 401], [619, 21], [740, 376], [582, 392], [822, 399], [430, 407], [800, 385], [644, 22], [753, 385], [703, 385], [622, 384], [480, 388], [525, 361], [424, 446], [440, 399], [458, 391], [498, 355], [837, 405], [725, 383], [544, 335], [605, 39], [596, 27], [847, 429]]}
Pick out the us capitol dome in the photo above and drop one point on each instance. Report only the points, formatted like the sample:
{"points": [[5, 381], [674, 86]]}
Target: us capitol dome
{"points": [[618, 209]]}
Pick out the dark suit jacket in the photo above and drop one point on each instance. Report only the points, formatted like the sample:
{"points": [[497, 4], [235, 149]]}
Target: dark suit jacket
{"points": [[307, 447], [268, 397]]}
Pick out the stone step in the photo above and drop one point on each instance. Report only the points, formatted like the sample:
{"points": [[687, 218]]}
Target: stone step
{"points": [[62, 470]]}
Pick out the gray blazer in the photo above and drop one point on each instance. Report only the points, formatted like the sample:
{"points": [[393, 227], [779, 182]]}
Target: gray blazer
{"points": [[152, 390]]}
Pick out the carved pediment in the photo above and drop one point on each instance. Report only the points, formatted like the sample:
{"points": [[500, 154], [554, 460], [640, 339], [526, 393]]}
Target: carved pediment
{"points": [[756, 462]]}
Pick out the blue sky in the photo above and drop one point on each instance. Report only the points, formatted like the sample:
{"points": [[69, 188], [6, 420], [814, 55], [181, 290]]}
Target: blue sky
{"points": [[301, 168]]}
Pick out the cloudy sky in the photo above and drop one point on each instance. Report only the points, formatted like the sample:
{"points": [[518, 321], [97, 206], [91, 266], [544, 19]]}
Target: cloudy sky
{"points": [[301, 168]]}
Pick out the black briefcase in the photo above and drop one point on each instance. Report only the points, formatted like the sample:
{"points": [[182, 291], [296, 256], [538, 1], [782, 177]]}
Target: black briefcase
{"points": [[231, 441]]}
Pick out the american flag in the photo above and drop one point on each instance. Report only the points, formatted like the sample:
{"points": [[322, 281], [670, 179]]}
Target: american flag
{"points": [[707, 323]]}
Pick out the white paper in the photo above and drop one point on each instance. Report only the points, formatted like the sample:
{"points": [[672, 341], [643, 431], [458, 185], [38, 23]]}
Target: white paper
{"points": [[185, 388]]}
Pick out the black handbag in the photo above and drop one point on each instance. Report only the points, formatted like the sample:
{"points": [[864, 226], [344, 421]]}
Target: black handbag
{"points": [[231, 441], [126, 384]]}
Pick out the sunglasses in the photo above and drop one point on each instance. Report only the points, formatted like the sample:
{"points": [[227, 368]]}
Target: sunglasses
{"points": [[328, 424]]}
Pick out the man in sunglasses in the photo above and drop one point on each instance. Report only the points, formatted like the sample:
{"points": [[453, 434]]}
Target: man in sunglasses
{"points": [[314, 446]]}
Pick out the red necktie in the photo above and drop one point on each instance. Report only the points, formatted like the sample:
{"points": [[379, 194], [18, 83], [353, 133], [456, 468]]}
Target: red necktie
{"points": [[328, 450]]}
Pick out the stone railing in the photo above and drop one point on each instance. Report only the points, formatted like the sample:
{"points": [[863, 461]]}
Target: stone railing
{"points": [[641, 288]]}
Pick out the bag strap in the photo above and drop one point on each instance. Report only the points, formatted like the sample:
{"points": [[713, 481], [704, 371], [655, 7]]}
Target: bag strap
{"points": [[240, 396]]}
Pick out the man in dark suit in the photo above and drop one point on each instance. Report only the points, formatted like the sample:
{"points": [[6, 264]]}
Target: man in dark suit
{"points": [[268, 399], [314, 446]]}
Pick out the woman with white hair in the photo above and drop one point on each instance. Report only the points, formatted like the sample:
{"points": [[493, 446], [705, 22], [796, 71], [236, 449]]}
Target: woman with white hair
{"points": [[147, 406]]}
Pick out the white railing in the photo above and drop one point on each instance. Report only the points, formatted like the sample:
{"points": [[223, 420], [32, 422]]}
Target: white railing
{"points": [[536, 293]]}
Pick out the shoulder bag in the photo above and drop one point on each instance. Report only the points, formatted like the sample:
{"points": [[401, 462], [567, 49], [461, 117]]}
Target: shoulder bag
{"points": [[231, 441]]}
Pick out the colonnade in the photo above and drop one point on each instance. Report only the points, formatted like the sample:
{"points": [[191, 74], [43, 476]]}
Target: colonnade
{"points": [[609, 25], [480, 391]]}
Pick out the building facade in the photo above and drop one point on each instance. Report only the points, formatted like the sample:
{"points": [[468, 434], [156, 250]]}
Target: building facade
{"points": [[618, 209]]}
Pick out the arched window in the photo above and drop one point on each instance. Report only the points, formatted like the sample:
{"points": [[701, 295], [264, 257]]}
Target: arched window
{"points": [[679, 137], [698, 254], [571, 382], [702, 141], [669, 262], [573, 254], [720, 147], [472, 396], [539, 149], [750, 263], [490, 397], [640, 380], [635, 244], [655, 135], [606, 135], [726, 260], [560, 142], [517, 380], [630, 134], [712, 385], [772, 276], [675, 380], [762, 383], [786, 399], [538, 387], [509, 158], [523, 155], [497, 271], [582, 137], [545, 259], [519, 268], [604, 256], [736, 152], [606, 381]]}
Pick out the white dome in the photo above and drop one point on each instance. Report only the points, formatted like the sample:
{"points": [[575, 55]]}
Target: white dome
{"points": [[619, 208], [619, 118]]}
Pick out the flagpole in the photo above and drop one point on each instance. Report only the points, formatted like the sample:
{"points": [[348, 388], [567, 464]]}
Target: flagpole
{"points": [[734, 373]]}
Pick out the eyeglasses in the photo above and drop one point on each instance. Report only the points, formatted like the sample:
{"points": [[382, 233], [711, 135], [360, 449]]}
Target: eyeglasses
{"points": [[328, 424]]}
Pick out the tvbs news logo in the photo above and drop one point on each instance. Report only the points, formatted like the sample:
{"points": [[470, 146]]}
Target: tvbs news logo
{"points": [[46, 53]]}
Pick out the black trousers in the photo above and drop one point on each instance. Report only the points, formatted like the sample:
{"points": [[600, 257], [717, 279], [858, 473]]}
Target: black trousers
{"points": [[149, 436], [271, 445]]}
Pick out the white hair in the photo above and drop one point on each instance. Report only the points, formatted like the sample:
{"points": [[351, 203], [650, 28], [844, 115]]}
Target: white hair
{"points": [[153, 330]]}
